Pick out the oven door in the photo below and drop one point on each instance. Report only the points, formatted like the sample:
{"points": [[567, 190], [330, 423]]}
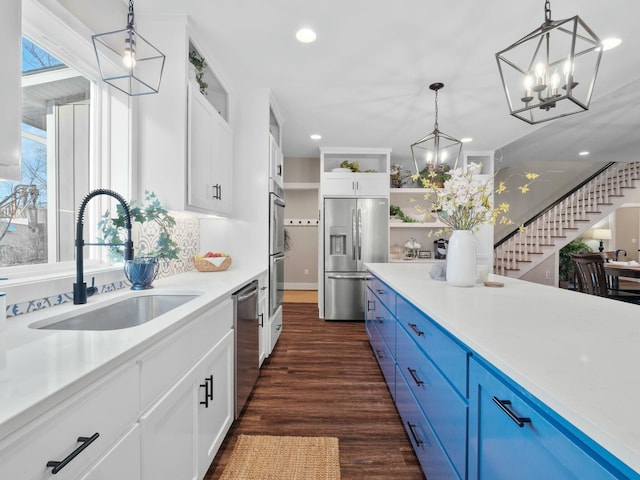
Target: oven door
{"points": [[276, 225], [276, 283]]}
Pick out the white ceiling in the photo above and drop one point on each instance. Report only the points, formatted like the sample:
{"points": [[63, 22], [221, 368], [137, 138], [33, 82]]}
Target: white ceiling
{"points": [[364, 82]]}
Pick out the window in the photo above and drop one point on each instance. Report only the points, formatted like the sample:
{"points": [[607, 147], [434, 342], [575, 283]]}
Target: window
{"points": [[55, 161], [75, 138]]}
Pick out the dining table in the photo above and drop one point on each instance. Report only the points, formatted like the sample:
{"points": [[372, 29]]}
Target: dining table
{"points": [[615, 270]]}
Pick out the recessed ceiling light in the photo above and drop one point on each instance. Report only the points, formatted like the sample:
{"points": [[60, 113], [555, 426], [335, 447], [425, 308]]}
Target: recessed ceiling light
{"points": [[609, 43], [315, 136], [466, 139], [306, 35], [584, 153]]}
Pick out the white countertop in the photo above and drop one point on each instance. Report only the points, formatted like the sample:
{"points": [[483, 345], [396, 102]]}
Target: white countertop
{"points": [[41, 368], [576, 353]]}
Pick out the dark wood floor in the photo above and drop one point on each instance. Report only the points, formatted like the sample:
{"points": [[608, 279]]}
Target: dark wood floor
{"points": [[322, 380]]}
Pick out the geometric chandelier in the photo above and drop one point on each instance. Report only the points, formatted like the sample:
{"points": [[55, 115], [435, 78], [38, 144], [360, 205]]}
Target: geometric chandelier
{"points": [[436, 149], [550, 73], [127, 61]]}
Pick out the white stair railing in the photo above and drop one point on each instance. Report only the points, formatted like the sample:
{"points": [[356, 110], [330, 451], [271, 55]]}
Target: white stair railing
{"points": [[552, 225]]}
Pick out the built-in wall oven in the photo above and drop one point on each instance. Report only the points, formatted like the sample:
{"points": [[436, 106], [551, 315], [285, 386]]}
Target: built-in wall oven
{"points": [[276, 248]]}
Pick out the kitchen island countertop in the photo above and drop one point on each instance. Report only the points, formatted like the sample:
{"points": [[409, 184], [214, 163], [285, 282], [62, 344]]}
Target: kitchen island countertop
{"points": [[41, 368], [576, 353]]}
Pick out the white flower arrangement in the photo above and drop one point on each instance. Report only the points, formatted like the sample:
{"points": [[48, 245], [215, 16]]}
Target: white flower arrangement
{"points": [[465, 201]]}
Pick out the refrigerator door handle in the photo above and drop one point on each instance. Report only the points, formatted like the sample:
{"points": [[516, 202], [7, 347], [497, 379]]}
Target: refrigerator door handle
{"points": [[353, 234], [359, 234], [339, 276]]}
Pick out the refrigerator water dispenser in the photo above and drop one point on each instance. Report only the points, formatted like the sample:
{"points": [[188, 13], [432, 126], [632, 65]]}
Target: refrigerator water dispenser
{"points": [[337, 242]]}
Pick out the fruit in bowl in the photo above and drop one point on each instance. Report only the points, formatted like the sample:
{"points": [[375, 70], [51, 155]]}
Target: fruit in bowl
{"points": [[211, 255]]}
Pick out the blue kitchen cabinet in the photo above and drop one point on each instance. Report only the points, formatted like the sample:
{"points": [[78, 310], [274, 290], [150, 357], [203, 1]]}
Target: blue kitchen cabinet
{"points": [[450, 357], [430, 371], [442, 404], [381, 329], [511, 438], [434, 461]]}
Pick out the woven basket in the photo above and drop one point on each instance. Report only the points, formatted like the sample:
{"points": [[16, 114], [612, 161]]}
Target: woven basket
{"points": [[203, 265]]}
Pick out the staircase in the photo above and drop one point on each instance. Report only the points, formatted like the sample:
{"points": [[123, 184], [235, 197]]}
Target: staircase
{"points": [[566, 220]]}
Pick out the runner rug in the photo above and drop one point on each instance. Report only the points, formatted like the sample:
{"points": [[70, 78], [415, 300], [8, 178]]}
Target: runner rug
{"points": [[264, 457]]}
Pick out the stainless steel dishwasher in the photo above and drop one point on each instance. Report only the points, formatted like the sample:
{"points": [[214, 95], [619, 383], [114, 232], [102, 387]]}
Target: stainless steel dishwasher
{"points": [[247, 329]]}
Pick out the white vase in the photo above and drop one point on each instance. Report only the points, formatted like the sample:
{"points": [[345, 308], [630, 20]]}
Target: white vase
{"points": [[461, 259]]}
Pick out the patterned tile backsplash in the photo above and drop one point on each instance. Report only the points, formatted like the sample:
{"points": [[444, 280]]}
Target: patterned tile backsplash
{"points": [[186, 234]]}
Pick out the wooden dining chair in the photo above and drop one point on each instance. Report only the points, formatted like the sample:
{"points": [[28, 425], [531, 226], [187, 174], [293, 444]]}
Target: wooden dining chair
{"points": [[589, 268], [612, 280], [591, 277]]}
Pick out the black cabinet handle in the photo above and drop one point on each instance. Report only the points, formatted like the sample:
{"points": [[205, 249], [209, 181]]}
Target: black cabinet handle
{"points": [[380, 319], [85, 441], [217, 192], [278, 327], [415, 328], [381, 292], [503, 404], [380, 354], [414, 375], [279, 170], [261, 315], [371, 305], [208, 390], [414, 435]]}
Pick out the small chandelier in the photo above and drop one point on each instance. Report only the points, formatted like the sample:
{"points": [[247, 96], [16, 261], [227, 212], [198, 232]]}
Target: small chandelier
{"points": [[550, 73], [436, 148], [127, 61]]}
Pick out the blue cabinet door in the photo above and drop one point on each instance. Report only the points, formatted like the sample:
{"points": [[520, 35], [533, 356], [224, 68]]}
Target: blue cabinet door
{"points": [[434, 461], [510, 439]]}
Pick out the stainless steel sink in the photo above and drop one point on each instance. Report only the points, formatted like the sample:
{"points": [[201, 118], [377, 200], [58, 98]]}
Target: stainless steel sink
{"points": [[126, 313]]}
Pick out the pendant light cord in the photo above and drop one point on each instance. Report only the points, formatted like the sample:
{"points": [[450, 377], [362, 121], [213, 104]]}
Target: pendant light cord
{"points": [[547, 11], [435, 124], [130, 20]]}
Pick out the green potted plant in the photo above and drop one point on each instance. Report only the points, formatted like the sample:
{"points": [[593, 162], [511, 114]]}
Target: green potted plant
{"points": [[200, 65], [142, 270], [565, 270]]}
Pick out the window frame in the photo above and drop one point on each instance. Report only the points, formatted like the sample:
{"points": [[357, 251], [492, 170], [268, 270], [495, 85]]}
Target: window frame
{"points": [[62, 35]]}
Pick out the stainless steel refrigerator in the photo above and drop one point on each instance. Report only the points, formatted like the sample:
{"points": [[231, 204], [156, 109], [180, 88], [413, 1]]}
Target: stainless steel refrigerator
{"points": [[355, 233]]}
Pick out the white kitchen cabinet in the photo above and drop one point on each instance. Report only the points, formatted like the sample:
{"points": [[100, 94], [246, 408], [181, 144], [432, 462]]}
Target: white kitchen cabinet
{"points": [[11, 88], [371, 181], [276, 162], [184, 143], [101, 415], [169, 435], [121, 461], [187, 396], [190, 422], [263, 316], [213, 382], [209, 156], [275, 329]]}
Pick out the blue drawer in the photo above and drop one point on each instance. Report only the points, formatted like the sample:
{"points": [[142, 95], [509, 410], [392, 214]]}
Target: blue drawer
{"points": [[385, 293], [442, 405], [448, 356], [502, 449], [434, 461], [384, 358], [385, 322]]}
